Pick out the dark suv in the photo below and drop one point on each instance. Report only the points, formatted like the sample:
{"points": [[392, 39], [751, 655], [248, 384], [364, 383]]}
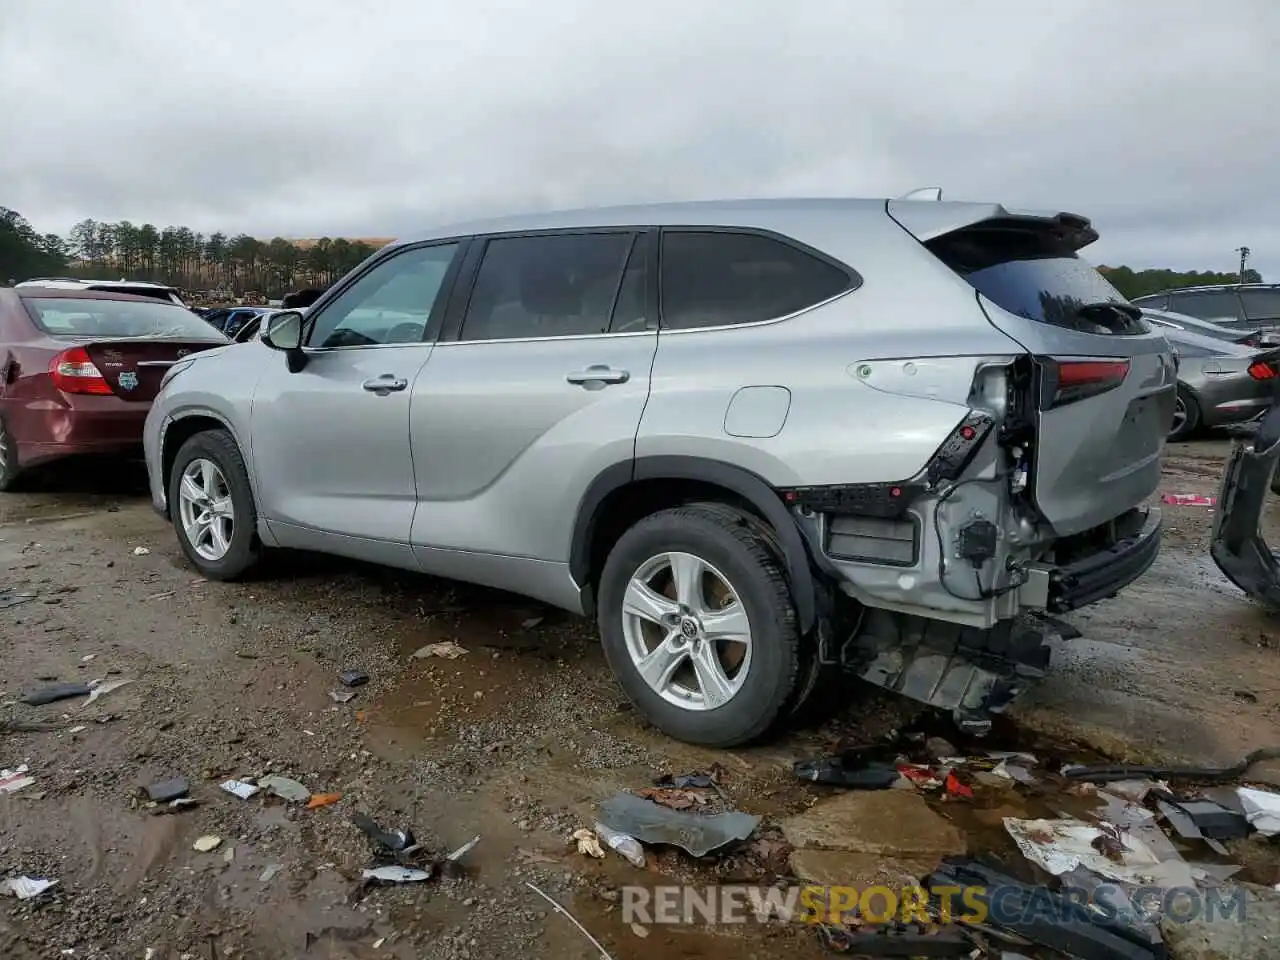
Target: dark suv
{"points": [[1246, 306]]}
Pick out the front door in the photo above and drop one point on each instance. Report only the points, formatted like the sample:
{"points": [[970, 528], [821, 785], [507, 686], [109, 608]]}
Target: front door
{"points": [[331, 442], [539, 389]]}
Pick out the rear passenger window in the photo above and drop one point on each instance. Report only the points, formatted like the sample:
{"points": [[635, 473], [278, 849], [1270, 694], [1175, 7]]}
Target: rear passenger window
{"points": [[1261, 304], [718, 278], [560, 285], [1207, 306]]}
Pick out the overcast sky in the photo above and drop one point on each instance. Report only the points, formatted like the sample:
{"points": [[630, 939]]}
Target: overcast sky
{"points": [[302, 118]]}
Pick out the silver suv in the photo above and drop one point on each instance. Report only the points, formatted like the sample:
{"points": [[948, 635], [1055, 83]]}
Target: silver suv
{"points": [[765, 443]]}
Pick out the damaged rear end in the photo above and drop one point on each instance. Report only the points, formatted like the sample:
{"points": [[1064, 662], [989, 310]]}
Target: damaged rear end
{"points": [[1032, 506], [1237, 544]]}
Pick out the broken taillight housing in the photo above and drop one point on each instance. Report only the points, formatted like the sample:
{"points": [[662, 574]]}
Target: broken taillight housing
{"points": [[73, 371], [1261, 370], [1069, 381]]}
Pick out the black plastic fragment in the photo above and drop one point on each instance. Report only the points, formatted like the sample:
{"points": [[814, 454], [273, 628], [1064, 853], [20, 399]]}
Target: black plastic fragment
{"points": [[395, 841], [354, 678], [55, 692], [834, 771], [1215, 821], [1044, 916], [167, 790]]}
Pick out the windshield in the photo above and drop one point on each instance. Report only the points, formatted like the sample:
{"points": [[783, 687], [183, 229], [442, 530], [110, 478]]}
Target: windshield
{"points": [[116, 319]]}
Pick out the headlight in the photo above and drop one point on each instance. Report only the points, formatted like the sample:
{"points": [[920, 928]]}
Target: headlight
{"points": [[173, 371]]}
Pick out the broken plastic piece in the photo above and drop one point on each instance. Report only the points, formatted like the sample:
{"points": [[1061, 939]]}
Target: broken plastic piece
{"points": [[956, 788], [1214, 821], [396, 875], [27, 888], [140, 551], [11, 781], [101, 688], [207, 844], [463, 850], [354, 678], [1262, 809], [1188, 499], [650, 823], [397, 841], [323, 800], [55, 692], [686, 781], [1060, 846], [834, 771], [241, 789], [446, 649], [342, 696], [167, 790], [622, 844], [269, 872], [285, 788]]}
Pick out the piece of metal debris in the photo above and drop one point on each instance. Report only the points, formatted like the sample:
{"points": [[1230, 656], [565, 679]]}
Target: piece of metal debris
{"points": [[463, 850], [650, 823], [11, 781], [354, 678], [396, 875], [55, 692], [167, 790], [207, 843], [27, 888], [396, 841], [240, 788], [285, 788], [342, 696], [101, 689], [446, 649], [10, 599], [270, 872], [604, 954]]}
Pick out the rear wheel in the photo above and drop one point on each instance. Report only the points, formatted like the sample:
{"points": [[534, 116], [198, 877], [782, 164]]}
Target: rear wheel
{"points": [[1186, 415], [212, 506], [698, 625], [9, 468]]}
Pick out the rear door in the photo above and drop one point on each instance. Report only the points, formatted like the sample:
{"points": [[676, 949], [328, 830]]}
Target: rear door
{"points": [[1106, 381]]}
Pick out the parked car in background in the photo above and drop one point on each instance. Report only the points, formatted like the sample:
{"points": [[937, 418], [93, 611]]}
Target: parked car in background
{"points": [[229, 320], [137, 288], [1220, 382], [1245, 307], [699, 424], [1207, 328], [79, 368], [252, 328]]}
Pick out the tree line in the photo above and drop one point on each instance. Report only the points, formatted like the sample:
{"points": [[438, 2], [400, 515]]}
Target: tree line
{"points": [[239, 264]]}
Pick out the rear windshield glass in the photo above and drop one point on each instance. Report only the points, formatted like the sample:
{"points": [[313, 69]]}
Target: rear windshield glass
{"points": [[155, 293], [65, 317], [1037, 275]]}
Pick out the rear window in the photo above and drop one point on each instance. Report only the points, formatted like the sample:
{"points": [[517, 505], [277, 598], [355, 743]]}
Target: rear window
{"points": [[1036, 274], [1217, 305], [1261, 304], [162, 293], [91, 319]]}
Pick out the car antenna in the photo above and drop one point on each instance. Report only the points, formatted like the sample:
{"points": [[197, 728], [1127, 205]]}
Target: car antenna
{"points": [[924, 193]]}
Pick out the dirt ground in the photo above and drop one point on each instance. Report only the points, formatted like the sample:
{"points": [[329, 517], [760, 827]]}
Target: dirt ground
{"points": [[516, 741]]}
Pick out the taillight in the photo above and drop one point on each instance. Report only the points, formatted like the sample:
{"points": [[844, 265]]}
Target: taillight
{"points": [[1067, 381], [1261, 370], [74, 372]]}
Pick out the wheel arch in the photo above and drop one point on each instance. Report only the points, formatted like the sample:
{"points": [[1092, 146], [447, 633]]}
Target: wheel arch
{"points": [[181, 429], [623, 493]]}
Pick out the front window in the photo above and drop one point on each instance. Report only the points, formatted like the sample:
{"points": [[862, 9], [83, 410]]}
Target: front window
{"points": [[116, 319]]}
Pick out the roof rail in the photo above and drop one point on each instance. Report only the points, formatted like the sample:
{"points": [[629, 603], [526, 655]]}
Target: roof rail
{"points": [[924, 193]]}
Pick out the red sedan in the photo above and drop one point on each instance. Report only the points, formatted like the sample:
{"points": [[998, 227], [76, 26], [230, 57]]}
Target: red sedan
{"points": [[79, 369]]}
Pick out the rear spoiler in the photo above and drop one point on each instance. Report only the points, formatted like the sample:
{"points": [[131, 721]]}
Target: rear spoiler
{"points": [[927, 221]]}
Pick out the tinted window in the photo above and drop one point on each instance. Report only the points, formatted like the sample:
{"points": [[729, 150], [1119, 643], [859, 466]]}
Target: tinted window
{"points": [[712, 279], [390, 304], [1035, 273], [629, 311], [550, 286], [1154, 302], [151, 319], [1207, 306], [1261, 304]]}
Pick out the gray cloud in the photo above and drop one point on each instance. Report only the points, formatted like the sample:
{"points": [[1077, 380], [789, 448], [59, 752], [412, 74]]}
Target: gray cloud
{"points": [[310, 118]]}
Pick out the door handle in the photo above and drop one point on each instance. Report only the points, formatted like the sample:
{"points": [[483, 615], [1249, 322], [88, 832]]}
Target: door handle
{"points": [[387, 383], [599, 373]]}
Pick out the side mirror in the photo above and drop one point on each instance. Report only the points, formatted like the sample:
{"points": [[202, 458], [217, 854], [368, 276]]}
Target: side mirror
{"points": [[284, 331]]}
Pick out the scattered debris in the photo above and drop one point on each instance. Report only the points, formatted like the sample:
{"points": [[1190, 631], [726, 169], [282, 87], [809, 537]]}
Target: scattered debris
{"points": [[55, 692], [285, 788], [168, 790], [898, 940], [446, 649], [100, 688], [463, 850], [1126, 771], [1211, 820], [267, 874], [1262, 809], [835, 771], [395, 875], [8, 598], [650, 823], [691, 781], [1061, 846], [207, 843], [246, 655], [175, 806], [675, 798], [623, 844], [342, 696], [159, 596], [396, 841], [323, 800], [140, 551], [240, 788], [1188, 499], [588, 845], [28, 726], [11, 781], [604, 954], [27, 888], [229, 855], [354, 678]]}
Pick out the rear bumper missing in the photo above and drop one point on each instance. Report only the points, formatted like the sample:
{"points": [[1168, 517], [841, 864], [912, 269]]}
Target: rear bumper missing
{"points": [[1104, 574], [1237, 545]]}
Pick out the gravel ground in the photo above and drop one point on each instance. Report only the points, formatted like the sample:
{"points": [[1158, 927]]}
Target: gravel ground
{"points": [[515, 741]]}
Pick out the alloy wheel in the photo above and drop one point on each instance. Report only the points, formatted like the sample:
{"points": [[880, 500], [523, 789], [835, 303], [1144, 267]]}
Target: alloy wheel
{"points": [[1179, 416], [206, 509]]}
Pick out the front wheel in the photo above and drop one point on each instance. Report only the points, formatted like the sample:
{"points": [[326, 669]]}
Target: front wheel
{"points": [[699, 627], [212, 506], [9, 468], [1186, 415]]}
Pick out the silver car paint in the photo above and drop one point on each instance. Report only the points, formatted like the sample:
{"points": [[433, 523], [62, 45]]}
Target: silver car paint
{"points": [[477, 470]]}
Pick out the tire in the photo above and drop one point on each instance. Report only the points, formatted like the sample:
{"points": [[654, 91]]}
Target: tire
{"points": [[1190, 409], [735, 552], [243, 549], [9, 469]]}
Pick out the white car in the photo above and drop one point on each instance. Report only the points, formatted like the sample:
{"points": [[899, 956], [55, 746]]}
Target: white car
{"points": [[138, 288]]}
